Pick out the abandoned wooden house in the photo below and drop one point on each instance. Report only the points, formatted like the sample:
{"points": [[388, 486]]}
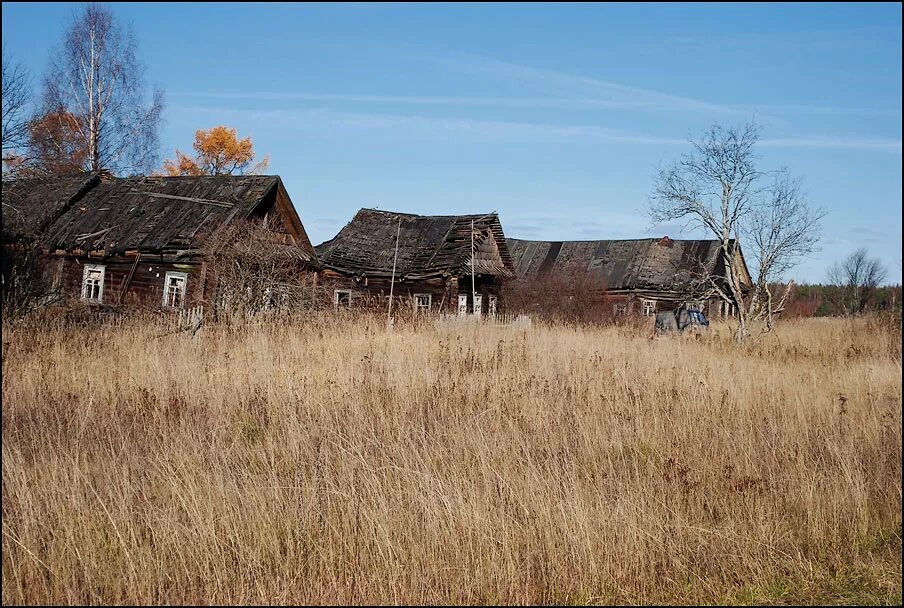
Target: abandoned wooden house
{"points": [[141, 240], [453, 263], [639, 276]]}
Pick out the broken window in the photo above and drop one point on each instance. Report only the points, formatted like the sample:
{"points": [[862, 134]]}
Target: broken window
{"points": [[649, 308], [342, 298], [422, 302], [491, 306], [174, 289], [620, 308], [93, 283]]}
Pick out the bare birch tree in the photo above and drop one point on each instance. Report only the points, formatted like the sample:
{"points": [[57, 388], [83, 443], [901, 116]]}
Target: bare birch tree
{"points": [[16, 96], [858, 276], [714, 186], [783, 229], [96, 78]]}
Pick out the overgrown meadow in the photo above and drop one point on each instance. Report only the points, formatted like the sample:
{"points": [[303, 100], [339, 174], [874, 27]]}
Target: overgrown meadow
{"points": [[323, 459]]}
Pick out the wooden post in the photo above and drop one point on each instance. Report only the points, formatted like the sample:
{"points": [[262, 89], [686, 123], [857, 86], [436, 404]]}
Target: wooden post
{"points": [[392, 281]]}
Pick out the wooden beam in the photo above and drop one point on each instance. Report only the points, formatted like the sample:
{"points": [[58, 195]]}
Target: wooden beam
{"points": [[203, 201], [125, 285]]}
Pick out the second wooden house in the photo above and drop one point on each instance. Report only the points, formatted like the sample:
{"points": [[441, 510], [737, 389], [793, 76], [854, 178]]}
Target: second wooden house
{"points": [[452, 263]]}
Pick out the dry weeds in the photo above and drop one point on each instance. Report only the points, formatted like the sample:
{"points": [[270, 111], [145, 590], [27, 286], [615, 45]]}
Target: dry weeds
{"points": [[326, 461]]}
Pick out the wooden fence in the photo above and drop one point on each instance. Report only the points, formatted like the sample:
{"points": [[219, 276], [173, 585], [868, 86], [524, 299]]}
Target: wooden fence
{"points": [[189, 317]]}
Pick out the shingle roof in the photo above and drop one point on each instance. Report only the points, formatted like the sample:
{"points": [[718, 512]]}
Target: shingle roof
{"points": [[428, 245], [30, 205], [153, 214], [621, 264]]}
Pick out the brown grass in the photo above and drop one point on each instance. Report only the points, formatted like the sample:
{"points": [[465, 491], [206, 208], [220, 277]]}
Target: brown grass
{"points": [[326, 461]]}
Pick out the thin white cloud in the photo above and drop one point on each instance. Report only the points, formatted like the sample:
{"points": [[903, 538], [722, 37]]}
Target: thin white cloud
{"points": [[430, 127], [616, 94], [838, 143], [576, 103], [508, 102]]}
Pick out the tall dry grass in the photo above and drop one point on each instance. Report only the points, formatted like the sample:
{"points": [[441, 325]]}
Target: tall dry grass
{"points": [[327, 461]]}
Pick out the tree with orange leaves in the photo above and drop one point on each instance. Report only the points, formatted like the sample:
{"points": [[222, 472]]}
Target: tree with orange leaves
{"points": [[219, 151], [53, 147]]}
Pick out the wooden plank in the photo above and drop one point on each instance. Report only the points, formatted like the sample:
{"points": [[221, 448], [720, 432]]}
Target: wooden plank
{"points": [[125, 284], [203, 201]]}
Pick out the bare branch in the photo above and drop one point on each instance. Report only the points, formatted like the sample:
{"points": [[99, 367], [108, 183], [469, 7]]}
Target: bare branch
{"points": [[96, 78]]}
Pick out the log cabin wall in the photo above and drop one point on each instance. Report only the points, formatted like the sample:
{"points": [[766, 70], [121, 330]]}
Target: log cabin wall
{"points": [[372, 292], [145, 286]]}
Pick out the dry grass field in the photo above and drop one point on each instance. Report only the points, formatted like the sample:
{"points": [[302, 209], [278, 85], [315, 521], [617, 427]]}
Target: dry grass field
{"points": [[324, 460]]}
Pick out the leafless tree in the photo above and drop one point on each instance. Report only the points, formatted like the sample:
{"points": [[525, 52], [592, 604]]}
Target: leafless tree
{"points": [[96, 78], [251, 271], [714, 186], [16, 96], [783, 229], [858, 275]]}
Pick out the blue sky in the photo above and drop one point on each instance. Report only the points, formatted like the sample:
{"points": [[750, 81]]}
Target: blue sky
{"points": [[556, 116]]}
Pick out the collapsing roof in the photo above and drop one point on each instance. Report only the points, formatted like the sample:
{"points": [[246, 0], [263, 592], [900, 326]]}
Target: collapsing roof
{"points": [[428, 246], [151, 214], [641, 264], [31, 205]]}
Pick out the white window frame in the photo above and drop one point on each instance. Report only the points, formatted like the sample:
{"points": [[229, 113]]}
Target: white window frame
{"points": [[478, 304], [418, 306], [648, 308], [166, 288], [100, 284], [462, 304], [337, 293], [491, 305], [620, 308]]}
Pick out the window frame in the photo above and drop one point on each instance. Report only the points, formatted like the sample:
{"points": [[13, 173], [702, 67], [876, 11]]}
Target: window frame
{"points": [[100, 285], [462, 305], [166, 288], [492, 302], [337, 293], [648, 304], [417, 306], [478, 304]]}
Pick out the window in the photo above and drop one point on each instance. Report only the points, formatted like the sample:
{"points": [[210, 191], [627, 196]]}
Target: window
{"points": [[620, 308], [174, 284], [342, 298], [422, 302], [649, 308], [491, 306], [93, 283], [478, 304], [462, 305]]}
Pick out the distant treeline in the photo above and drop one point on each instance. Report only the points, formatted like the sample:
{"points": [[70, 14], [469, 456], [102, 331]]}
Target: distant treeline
{"points": [[818, 300]]}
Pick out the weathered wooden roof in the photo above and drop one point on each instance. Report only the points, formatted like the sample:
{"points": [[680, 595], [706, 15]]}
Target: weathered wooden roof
{"points": [[655, 264], [30, 205], [161, 214], [429, 245]]}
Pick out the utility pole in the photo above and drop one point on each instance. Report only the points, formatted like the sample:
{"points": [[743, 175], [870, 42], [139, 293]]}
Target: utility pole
{"points": [[473, 287], [392, 281]]}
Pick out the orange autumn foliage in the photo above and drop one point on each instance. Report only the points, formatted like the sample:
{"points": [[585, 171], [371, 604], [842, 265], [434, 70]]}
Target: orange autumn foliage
{"points": [[219, 151]]}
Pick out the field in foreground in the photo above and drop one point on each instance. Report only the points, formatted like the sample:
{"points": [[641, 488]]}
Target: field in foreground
{"points": [[331, 462]]}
